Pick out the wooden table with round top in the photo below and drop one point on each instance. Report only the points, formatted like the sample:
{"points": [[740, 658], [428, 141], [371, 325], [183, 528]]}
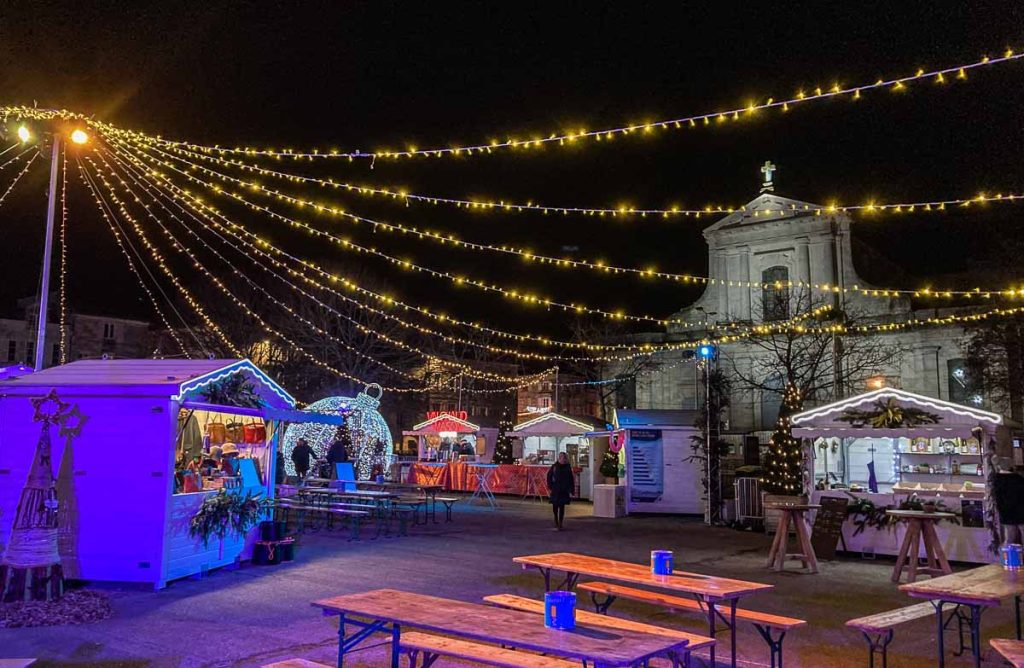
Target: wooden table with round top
{"points": [[792, 514], [920, 531]]}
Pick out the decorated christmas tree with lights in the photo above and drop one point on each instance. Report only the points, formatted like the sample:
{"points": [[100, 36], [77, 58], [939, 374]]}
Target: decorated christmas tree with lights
{"points": [[503, 446], [784, 465]]}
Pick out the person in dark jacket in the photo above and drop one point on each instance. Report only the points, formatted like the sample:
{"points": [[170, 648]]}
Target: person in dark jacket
{"points": [[1008, 490], [301, 454], [561, 485], [336, 454]]}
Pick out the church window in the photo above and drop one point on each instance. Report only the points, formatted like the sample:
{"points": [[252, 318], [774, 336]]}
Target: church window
{"points": [[775, 294]]}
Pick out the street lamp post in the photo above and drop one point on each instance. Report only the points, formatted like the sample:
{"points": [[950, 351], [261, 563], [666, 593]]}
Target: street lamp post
{"points": [[77, 136]]}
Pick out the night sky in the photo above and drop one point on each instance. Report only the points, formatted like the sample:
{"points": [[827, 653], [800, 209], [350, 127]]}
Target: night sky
{"points": [[369, 75]]}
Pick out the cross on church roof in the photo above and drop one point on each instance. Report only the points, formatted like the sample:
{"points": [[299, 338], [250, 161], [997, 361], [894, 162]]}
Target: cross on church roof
{"points": [[768, 170]]}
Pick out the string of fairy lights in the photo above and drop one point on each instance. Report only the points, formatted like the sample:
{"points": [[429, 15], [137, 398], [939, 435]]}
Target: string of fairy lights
{"points": [[405, 197], [606, 268], [62, 240], [130, 170], [749, 110]]}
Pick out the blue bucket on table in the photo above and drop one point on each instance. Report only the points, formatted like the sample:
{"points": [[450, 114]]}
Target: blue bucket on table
{"points": [[661, 562], [1012, 556], [560, 610], [380, 478]]}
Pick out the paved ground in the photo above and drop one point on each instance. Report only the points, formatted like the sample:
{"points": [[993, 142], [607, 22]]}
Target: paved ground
{"points": [[256, 615]]}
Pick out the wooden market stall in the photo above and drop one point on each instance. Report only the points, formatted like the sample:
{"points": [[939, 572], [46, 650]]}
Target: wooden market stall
{"points": [[123, 504], [545, 437], [882, 447]]}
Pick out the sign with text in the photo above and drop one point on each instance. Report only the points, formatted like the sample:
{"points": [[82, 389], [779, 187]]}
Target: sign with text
{"points": [[461, 415], [645, 472]]}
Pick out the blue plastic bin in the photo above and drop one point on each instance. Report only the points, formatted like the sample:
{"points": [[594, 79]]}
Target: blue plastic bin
{"points": [[560, 610]]}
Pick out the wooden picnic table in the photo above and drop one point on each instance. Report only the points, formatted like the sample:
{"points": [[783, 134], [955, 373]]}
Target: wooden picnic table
{"points": [[381, 500], [710, 590], [1011, 650], [795, 515], [976, 589], [392, 611], [920, 532]]}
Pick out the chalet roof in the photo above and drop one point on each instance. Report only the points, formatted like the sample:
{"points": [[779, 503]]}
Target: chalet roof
{"points": [[556, 424], [146, 377], [443, 422]]}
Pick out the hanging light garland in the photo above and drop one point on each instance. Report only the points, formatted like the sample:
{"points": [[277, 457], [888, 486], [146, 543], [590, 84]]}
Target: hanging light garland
{"points": [[17, 177], [650, 273], [402, 196], [63, 241], [571, 137]]}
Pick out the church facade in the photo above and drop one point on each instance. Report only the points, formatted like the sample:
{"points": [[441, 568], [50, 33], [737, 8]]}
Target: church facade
{"points": [[774, 260]]}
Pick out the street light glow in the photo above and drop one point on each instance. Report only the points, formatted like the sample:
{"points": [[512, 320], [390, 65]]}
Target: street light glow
{"points": [[24, 135], [79, 136]]}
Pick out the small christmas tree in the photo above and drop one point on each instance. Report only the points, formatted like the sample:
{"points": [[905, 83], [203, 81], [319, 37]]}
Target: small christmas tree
{"points": [[503, 446], [784, 466], [610, 466]]}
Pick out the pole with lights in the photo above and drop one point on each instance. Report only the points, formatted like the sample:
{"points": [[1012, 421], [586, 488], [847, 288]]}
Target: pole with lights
{"points": [[706, 354], [79, 137]]}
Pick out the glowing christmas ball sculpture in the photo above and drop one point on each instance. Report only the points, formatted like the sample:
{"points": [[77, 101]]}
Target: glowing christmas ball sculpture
{"points": [[371, 450]]}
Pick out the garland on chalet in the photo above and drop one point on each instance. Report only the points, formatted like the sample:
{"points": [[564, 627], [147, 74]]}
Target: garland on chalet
{"points": [[888, 415]]}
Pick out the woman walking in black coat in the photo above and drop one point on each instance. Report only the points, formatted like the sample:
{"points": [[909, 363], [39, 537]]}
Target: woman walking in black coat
{"points": [[561, 485]]}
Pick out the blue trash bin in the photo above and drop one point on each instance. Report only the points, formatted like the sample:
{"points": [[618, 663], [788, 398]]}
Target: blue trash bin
{"points": [[661, 562], [560, 610]]}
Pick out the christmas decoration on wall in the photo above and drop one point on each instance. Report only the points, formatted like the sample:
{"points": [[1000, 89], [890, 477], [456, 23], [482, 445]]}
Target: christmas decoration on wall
{"points": [[889, 415], [503, 446], [31, 566], [372, 447], [235, 390], [784, 466]]}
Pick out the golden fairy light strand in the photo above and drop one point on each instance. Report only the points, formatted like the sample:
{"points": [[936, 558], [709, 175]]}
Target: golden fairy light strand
{"points": [[254, 252], [101, 205], [63, 238], [464, 369], [403, 196], [17, 157], [387, 300], [176, 243], [14, 182], [186, 294], [525, 298], [802, 97], [606, 268]]}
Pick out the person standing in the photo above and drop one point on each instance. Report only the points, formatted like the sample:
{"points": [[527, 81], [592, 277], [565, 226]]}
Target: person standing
{"points": [[561, 485], [301, 455]]}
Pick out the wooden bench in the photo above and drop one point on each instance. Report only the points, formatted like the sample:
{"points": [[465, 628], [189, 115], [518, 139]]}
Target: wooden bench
{"points": [[449, 502], [354, 515], [878, 629], [296, 663], [694, 641], [430, 646], [1011, 650], [764, 622]]}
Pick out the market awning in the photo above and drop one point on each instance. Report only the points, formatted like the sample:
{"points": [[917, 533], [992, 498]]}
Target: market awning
{"points": [[444, 422], [268, 413], [553, 424]]}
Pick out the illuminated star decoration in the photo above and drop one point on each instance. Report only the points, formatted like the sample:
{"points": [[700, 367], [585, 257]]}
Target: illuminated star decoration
{"points": [[71, 422], [49, 409]]}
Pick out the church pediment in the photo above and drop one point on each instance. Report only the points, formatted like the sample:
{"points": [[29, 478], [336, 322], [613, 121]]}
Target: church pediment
{"points": [[768, 208]]}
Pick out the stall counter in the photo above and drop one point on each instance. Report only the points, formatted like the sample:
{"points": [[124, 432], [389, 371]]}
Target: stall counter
{"points": [[965, 544], [513, 479]]}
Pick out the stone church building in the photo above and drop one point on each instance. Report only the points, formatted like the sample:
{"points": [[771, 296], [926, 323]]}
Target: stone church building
{"points": [[772, 241]]}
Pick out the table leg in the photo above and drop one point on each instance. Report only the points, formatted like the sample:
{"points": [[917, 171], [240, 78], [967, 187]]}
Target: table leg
{"points": [[941, 631], [976, 634], [774, 549], [810, 559], [940, 554], [711, 630], [732, 629], [1016, 609], [341, 641], [780, 556], [915, 550], [396, 645], [901, 557], [433, 507]]}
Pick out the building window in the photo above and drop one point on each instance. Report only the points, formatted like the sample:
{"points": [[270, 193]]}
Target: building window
{"points": [[30, 352], [771, 401], [108, 330], [775, 294], [964, 387], [625, 392], [55, 355], [12, 350]]}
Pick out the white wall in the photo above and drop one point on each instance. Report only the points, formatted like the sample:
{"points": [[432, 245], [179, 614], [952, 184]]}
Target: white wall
{"points": [[116, 492]]}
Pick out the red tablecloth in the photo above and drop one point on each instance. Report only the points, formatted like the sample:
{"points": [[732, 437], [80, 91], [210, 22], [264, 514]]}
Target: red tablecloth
{"points": [[505, 478]]}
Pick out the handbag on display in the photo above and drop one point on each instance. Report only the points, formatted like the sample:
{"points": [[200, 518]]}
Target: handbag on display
{"points": [[236, 432], [217, 433], [256, 432]]}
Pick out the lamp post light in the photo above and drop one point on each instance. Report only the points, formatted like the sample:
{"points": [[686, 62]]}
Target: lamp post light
{"points": [[80, 137]]}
